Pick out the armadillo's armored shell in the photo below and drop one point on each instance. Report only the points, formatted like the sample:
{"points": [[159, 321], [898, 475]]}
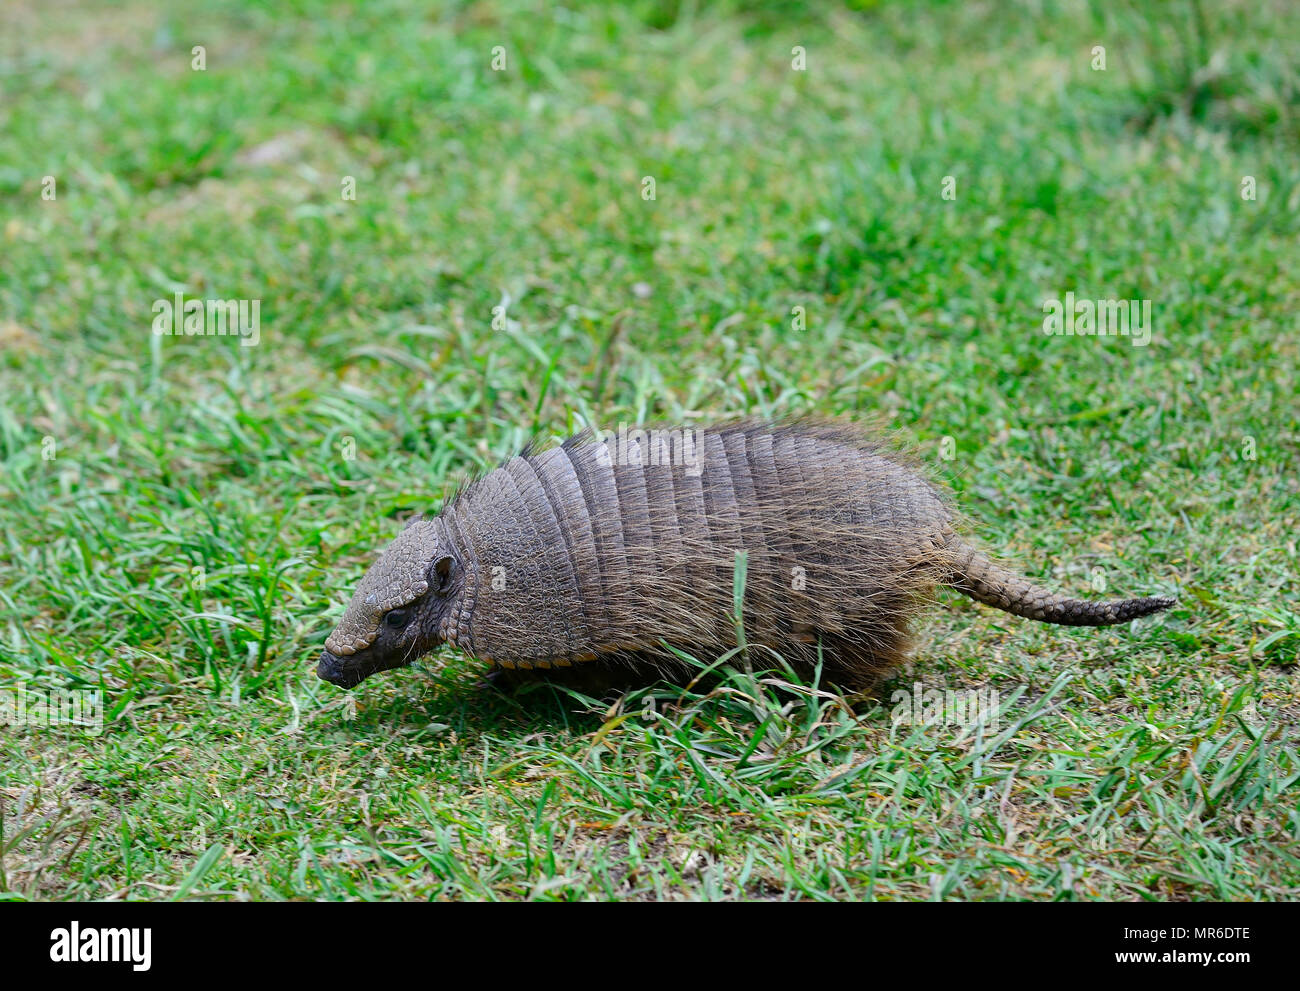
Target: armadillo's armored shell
{"points": [[609, 546]]}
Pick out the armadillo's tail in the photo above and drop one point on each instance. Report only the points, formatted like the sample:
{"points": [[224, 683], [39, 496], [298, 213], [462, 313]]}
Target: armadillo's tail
{"points": [[975, 575]]}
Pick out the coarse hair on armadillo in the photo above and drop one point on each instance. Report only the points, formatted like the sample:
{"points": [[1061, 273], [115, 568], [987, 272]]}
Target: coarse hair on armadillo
{"points": [[611, 546]]}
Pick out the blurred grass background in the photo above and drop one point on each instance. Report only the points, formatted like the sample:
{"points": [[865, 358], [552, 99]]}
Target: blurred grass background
{"points": [[199, 526]]}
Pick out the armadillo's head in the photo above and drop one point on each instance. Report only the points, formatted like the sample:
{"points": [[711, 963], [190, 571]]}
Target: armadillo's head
{"points": [[398, 609]]}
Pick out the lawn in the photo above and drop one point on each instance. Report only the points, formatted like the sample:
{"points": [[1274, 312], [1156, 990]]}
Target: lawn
{"points": [[473, 224]]}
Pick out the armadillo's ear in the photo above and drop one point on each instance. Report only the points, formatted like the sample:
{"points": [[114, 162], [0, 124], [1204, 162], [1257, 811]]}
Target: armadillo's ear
{"points": [[411, 520], [442, 574]]}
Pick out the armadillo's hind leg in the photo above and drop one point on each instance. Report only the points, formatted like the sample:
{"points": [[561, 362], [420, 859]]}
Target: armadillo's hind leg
{"points": [[861, 660]]}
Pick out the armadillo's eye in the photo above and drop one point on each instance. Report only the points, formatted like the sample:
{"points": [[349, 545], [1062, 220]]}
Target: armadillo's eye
{"points": [[396, 617]]}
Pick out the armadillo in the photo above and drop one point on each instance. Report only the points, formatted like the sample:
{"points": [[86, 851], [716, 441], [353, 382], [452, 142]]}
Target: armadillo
{"points": [[621, 547]]}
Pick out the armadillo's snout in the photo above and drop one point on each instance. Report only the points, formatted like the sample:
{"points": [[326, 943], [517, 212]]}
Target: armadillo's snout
{"points": [[336, 671]]}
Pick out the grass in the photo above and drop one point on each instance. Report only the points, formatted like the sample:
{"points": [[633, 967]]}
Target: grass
{"points": [[183, 519]]}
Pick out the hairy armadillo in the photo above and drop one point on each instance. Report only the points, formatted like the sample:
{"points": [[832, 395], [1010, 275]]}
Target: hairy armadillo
{"points": [[611, 546]]}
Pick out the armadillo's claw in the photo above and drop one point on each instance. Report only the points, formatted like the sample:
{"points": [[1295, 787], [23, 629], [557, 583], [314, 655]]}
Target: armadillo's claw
{"points": [[492, 679]]}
